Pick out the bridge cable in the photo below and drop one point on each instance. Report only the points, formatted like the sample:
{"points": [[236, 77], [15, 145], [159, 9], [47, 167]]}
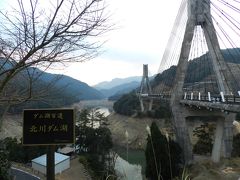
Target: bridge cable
{"points": [[172, 36], [217, 32], [231, 42], [172, 54], [226, 36], [234, 59]]}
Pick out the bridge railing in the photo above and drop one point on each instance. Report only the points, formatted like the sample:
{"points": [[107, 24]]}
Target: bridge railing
{"points": [[228, 99], [160, 96]]}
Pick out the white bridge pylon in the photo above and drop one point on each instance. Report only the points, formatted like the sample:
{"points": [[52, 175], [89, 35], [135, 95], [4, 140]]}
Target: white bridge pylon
{"points": [[199, 14], [145, 89]]}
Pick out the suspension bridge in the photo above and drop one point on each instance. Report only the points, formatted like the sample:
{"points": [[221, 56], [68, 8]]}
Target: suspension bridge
{"points": [[199, 72]]}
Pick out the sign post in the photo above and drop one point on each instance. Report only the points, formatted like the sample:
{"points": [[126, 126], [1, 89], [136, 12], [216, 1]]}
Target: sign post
{"points": [[48, 127], [51, 162]]}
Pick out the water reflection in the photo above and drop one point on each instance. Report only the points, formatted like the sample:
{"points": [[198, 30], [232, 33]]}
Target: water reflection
{"points": [[104, 110], [126, 171]]}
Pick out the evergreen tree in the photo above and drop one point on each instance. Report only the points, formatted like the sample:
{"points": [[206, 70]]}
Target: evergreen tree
{"points": [[83, 118], [236, 146], [4, 166], [128, 104], [18, 153], [163, 156], [237, 116], [205, 134], [94, 142]]}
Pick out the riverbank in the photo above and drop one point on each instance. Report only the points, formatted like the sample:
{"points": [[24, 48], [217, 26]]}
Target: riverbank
{"points": [[94, 104], [135, 127], [11, 126]]}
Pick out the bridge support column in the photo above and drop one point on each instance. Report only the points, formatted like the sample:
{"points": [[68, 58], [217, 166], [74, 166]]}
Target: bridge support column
{"points": [[216, 150], [182, 134], [228, 135], [150, 105], [141, 104], [223, 138]]}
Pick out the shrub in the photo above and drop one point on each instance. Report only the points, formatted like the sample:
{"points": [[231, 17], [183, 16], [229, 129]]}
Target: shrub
{"points": [[236, 146], [163, 156], [128, 104], [205, 135]]}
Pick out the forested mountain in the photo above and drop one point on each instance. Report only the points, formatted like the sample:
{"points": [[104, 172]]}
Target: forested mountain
{"points": [[48, 90], [73, 87]]}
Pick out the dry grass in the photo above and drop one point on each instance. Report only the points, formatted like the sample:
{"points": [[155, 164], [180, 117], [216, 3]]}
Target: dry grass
{"points": [[226, 169]]}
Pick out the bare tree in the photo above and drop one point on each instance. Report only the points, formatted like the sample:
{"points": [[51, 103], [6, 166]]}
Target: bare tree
{"points": [[40, 35], [65, 31]]}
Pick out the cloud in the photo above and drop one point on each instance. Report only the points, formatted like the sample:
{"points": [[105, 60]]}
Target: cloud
{"points": [[130, 56], [97, 70], [141, 34]]}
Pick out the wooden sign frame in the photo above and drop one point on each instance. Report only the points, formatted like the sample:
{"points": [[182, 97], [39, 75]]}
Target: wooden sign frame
{"points": [[48, 126]]}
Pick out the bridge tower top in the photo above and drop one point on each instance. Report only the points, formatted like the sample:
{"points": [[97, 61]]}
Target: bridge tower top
{"points": [[199, 10], [199, 14], [145, 88], [145, 84]]}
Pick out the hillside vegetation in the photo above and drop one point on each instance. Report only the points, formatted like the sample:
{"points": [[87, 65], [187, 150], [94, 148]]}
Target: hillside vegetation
{"points": [[199, 69], [49, 90]]}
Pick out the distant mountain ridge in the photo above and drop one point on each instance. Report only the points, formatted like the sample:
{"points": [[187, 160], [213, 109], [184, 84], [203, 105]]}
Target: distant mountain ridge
{"points": [[120, 89], [51, 90], [119, 86], [81, 90], [70, 86], [117, 82]]}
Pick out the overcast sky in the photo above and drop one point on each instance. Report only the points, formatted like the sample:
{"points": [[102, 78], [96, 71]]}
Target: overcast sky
{"points": [[143, 28]]}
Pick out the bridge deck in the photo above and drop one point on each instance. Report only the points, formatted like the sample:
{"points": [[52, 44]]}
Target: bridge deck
{"points": [[228, 107], [231, 103]]}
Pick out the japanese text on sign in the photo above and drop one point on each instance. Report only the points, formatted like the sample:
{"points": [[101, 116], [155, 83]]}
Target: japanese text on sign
{"points": [[48, 126]]}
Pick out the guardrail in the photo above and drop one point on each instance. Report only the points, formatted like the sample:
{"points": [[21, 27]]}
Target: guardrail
{"points": [[228, 99], [161, 96]]}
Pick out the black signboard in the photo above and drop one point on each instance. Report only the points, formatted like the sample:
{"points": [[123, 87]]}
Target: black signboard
{"points": [[48, 126]]}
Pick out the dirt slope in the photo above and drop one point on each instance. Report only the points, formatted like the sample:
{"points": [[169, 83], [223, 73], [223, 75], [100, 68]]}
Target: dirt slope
{"points": [[11, 126], [136, 128]]}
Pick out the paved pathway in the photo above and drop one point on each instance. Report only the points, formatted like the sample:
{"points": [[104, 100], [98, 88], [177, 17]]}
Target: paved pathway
{"points": [[19, 174], [75, 172]]}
